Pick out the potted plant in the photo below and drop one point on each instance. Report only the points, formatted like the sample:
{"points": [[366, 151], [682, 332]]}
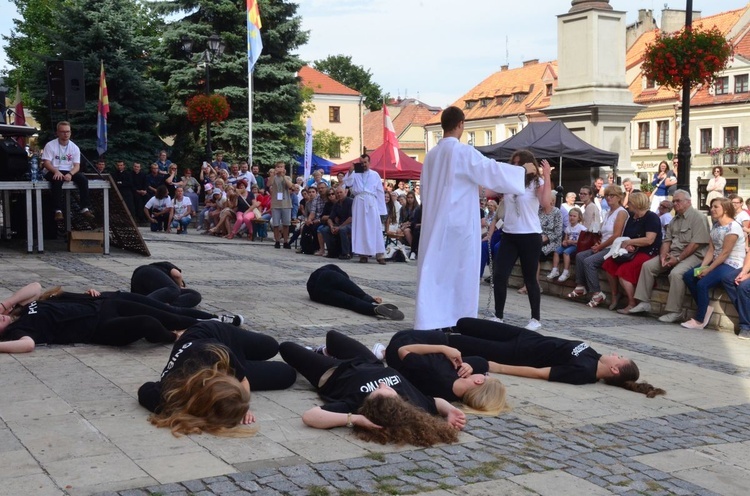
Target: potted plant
{"points": [[207, 108]]}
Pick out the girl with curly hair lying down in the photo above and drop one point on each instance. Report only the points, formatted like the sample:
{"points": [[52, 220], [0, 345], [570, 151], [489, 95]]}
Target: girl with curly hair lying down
{"points": [[205, 386], [376, 401]]}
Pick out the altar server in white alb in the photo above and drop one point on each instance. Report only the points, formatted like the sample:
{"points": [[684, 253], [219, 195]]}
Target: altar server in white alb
{"points": [[368, 206], [449, 249]]}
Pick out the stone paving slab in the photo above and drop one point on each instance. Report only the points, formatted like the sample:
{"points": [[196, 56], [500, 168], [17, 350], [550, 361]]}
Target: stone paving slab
{"points": [[70, 422]]}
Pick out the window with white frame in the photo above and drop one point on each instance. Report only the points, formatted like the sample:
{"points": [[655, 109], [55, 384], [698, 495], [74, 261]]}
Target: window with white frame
{"points": [[644, 135], [488, 137], [740, 83], [706, 140], [438, 135], [721, 86], [731, 141], [472, 138], [662, 134]]}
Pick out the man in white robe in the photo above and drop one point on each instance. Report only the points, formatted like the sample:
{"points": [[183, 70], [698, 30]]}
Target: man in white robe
{"points": [[369, 205], [450, 243]]}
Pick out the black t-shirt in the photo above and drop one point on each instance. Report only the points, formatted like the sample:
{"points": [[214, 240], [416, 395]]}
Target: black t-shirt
{"points": [[433, 373], [572, 362], [189, 354], [56, 321], [353, 380]]}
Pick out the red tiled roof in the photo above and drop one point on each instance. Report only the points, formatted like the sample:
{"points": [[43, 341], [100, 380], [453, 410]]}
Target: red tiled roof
{"points": [[494, 97], [410, 115], [372, 129], [322, 84]]}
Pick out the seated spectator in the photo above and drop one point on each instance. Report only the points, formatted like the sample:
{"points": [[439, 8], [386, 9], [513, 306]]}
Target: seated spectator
{"points": [[159, 210], [317, 178], [339, 226], [737, 286], [246, 204], [741, 216], [589, 261], [406, 215], [627, 186], [568, 246], [183, 210], [227, 215], [591, 213], [172, 181], [665, 216], [154, 179], [725, 254], [213, 195], [234, 175], [395, 249], [644, 230], [191, 188], [330, 285]]}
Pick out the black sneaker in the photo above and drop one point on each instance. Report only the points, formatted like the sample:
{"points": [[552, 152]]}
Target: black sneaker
{"points": [[235, 320], [389, 313], [287, 246], [277, 245]]}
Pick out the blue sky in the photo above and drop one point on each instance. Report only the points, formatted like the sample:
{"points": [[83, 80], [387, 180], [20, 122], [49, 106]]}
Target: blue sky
{"points": [[436, 50]]}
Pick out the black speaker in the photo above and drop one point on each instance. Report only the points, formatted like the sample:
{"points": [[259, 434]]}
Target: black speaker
{"points": [[14, 163], [66, 85]]}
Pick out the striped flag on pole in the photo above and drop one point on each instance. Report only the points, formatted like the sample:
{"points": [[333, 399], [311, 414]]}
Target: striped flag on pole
{"points": [[390, 140], [102, 111], [20, 116], [254, 43]]}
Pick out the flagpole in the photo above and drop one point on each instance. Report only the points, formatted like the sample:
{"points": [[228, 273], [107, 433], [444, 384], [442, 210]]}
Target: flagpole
{"points": [[384, 142], [250, 118]]}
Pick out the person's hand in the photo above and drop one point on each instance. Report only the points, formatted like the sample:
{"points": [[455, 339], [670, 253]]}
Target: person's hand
{"points": [[546, 168], [364, 422], [93, 292], [703, 273], [545, 239], [453, 355], [68, 177], [596, 248], [378, 299], [57, 176], [740, 278], [465, 370], [456, 418], [664, 260], [249, 418]]}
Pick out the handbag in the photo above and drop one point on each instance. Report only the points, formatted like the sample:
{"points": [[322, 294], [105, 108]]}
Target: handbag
{"points": [[257, 214], [587, 239], [625, 257], [649, 193]]}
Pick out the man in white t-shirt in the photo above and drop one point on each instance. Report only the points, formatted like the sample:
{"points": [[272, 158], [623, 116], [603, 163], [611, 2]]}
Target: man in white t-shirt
{"points": [[62, 159]]}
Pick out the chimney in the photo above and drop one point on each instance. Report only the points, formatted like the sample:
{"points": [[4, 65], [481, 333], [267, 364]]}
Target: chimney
{"points": [[504, 67], [530, 62]]}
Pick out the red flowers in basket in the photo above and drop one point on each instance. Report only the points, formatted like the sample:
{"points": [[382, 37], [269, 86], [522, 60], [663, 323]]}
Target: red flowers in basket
{"points": [[698, 56], [211, 108]]}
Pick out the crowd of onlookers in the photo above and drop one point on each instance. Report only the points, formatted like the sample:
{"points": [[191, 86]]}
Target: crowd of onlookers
{"points": [[632, 236]]}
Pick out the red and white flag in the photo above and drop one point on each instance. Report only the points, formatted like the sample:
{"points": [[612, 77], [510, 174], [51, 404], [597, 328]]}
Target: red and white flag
{"points": [[20, 119], [390, 140]]}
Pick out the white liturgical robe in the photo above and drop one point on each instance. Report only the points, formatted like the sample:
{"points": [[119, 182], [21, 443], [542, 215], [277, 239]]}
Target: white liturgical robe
{"points": [[450, 241], [368, 206]]}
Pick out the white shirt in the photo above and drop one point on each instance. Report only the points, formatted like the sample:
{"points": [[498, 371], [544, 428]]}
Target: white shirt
{"points": [[522, 211], [62, 158]]}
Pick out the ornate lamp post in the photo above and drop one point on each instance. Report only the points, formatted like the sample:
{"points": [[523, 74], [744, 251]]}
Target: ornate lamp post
{"points": [[214, 50], [683, 149]]}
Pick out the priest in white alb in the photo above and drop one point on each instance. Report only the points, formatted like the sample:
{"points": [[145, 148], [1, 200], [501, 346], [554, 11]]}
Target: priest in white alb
{"points": [[369, 205], [450, 244]]}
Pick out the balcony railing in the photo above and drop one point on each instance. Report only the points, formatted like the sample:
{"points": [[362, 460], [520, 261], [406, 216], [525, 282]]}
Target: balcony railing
{"points": [[731, 156]]}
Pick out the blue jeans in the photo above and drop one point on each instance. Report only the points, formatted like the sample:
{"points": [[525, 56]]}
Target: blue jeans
{"points": [[566, 250], [183, 222], [699, 288], [739, 296]]}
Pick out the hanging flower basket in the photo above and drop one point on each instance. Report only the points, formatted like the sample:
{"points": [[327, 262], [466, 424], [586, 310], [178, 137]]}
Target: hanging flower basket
{"points": [[211, 108], [698, 56]]}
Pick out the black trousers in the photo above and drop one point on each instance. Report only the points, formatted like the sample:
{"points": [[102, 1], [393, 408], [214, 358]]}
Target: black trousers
{"points": [[56, 190], [490, 340], [253, 349], [331, 286], [154, 283], [313, 365], [122, 322], [145, 300], [527, 247]]}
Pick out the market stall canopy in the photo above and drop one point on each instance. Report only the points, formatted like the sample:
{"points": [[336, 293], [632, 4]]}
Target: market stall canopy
{"points": [[317, 163], [410, 168]]}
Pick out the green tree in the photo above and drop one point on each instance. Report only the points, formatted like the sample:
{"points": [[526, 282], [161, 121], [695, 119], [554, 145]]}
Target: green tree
{"points": [[122, 34], [342, 69], [277, 97], [328, 144]]}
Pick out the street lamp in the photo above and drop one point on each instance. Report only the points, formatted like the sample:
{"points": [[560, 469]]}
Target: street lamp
{"points": [[683, 149], [214, 50]]}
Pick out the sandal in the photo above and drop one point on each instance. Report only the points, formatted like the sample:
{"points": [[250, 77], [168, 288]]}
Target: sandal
{"points": [[625, 311], [522, 290], [597, 299], [615, 302], [578, 292]]}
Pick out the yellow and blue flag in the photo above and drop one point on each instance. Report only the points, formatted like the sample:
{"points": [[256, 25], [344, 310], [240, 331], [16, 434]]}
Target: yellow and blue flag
{"points": [[254, 43]]}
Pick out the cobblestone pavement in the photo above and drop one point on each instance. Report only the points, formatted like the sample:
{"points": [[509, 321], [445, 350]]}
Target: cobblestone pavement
{"points": [[70, 424]]}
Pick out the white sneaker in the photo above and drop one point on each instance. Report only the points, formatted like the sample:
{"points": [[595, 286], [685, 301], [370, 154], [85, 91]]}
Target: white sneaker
{"points": [[495, 319], [533, 325], [552, 274], [379, 351], [412, 256], [671, 317], [564, 276], [643, 306]]}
